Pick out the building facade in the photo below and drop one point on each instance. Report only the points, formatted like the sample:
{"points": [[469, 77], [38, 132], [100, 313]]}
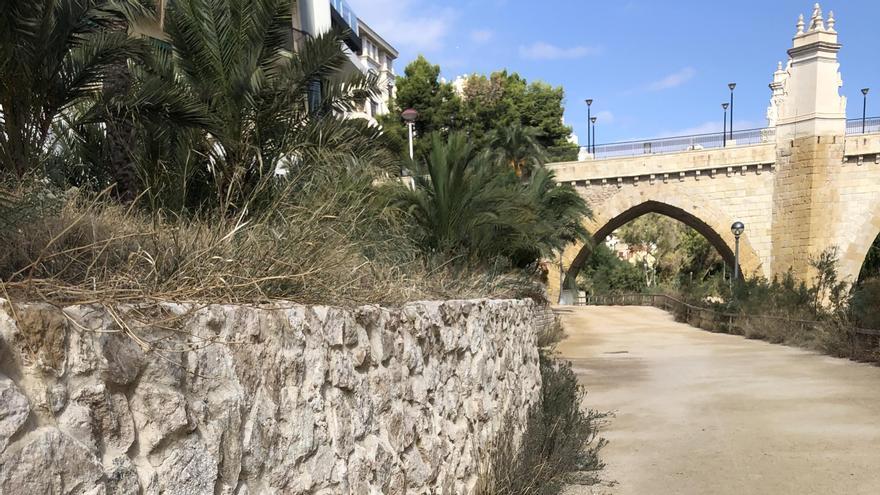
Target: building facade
{"points": [[368, 51]]}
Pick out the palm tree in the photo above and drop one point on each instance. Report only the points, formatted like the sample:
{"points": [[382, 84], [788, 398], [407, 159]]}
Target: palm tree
{"points": [[560, 208], [54, 54], [517, 147], [233, 57], [467, 204]]}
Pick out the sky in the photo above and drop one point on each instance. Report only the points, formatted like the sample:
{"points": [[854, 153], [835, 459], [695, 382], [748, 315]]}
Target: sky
{"points": [[653, 68]]}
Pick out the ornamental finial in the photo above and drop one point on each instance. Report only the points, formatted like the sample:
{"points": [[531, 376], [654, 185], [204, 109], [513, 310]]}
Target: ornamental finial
{"points": [[831, 22], [816, 22], [800, 25]]}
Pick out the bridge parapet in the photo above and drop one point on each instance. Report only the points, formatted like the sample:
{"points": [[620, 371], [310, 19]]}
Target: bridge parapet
{"points": [[710, 162], [861, 146]]}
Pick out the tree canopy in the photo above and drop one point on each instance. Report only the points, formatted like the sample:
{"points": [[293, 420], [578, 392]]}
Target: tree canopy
{"points": [[482, 105]]}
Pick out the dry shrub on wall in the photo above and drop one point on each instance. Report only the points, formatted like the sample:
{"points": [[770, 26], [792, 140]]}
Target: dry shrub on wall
{"points": [[559, 445], [325, 243]]}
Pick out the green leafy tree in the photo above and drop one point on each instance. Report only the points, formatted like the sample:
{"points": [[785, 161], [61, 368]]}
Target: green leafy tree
{"points": [[54, 54], [486, 103], [505, 99], [605, 273], [421, 88]]}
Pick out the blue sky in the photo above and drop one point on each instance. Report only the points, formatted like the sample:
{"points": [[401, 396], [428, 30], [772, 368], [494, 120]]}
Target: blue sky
{"points": [[654, 68]]}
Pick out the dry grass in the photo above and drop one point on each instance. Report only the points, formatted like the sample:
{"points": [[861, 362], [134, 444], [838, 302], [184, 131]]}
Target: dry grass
{"points": [[327, 245]]}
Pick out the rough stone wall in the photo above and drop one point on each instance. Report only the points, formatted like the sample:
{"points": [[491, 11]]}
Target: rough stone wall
{"points": [[244, 400]]}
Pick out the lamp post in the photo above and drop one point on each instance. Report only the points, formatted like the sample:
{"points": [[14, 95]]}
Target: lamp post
{"points": [[724, 134], [737, 229], [864, 106], [593, 120], [731, 86], [589, 102], [410, 115]]}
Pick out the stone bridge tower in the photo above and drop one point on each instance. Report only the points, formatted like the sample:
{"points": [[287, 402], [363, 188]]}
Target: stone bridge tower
{"points": [[810, 118]]}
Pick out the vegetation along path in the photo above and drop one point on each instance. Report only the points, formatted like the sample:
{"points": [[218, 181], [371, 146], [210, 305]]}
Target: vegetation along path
{"points": [[698, 412]]}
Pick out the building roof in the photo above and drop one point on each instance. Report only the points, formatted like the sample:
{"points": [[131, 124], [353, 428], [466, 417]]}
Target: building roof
{"points": [[366, 30]]}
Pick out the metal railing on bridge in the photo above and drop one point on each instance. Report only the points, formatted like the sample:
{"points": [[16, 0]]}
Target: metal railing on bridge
{"points": [[857, 126], [710, 319], [678, 144], [715, 140]]}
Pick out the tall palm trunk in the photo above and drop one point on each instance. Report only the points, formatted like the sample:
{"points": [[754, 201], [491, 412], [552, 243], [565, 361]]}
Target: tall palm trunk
{"points": [[121, 139]]}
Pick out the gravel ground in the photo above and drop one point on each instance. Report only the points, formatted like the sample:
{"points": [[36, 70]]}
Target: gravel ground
{"points": [[704, 413]]}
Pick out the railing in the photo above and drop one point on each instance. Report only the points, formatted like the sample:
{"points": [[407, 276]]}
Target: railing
{"points": [[684, 143], [677, 144], [347, 14], [706, 318], [855, 126]]}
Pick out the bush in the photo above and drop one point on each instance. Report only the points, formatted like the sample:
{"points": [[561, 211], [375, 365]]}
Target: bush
{"points": [[559, 444]]}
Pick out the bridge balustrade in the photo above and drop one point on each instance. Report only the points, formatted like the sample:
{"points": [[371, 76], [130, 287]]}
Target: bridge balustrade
{"points": [[854, 126], [678, 144]]}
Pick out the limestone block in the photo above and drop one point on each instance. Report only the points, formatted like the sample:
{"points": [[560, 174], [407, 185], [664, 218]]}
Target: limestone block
{"points": [[49, 462], [14, 410]]}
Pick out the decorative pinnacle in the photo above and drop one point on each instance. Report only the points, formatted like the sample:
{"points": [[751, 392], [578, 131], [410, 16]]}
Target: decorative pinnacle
{"points": [[779, 66], [831, 22], [800, 25], [817, 23]]}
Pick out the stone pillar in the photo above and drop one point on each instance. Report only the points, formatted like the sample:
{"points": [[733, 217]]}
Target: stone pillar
{"points": [[810, 131]]}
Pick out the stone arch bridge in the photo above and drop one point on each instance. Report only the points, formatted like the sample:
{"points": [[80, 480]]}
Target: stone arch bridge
{"points": [[808, 182]]}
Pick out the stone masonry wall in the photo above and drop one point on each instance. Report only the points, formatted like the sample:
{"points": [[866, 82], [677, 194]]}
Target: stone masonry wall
{"points": [[245, 400]]}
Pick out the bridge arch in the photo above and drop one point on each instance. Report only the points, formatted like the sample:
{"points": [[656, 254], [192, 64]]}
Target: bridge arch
{"points": [[610, 212], [852, 256]]}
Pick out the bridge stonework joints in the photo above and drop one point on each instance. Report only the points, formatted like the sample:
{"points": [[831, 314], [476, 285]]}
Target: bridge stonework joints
{"points": [[801, 187]]}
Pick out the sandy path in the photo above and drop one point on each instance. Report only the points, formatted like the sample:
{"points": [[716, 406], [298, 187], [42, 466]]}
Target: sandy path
{"points": [[704, 413]]}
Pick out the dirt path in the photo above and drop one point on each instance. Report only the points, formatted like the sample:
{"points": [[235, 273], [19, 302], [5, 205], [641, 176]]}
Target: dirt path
{"points": [[703, 413]]}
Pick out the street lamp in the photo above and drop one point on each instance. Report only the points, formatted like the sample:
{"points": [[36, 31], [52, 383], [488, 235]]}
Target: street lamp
{"points": [[737, 229], [410, 115], [864, 106], [731, 86], [724, 134], [589, 102], [593, 120]]}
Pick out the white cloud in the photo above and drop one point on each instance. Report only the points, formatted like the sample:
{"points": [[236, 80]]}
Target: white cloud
{"points": [[541, 50], [481, 35], [673, 80], [407, 24]]}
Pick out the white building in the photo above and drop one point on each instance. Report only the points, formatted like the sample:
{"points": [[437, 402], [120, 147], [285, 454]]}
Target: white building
{"points": [[368, 51]]}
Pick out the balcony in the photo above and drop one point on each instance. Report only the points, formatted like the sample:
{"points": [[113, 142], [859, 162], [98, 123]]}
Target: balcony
{"points": [[344, 19]]}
